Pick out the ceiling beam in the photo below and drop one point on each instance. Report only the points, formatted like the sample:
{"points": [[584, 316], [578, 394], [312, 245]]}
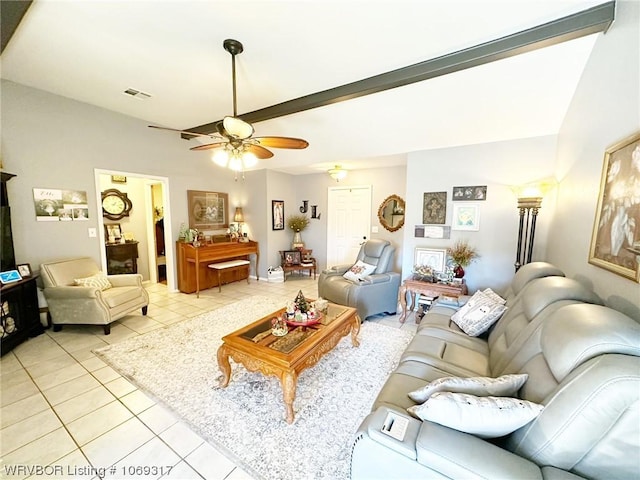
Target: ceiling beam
{"points": [[11, 13], [593, 20]]}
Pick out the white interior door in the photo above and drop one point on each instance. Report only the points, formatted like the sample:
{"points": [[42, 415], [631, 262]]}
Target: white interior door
{"points": [[348, 222]]}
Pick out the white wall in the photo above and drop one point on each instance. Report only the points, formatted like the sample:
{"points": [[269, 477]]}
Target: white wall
{"points": [[499, 166], [604, 110]]}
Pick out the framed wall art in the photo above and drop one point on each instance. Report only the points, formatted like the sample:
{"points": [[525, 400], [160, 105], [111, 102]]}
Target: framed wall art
{"points": [[434, 208], [208, 210], [615, 241], [436, 258], [277, 214], [466, 216], [473, 192]]}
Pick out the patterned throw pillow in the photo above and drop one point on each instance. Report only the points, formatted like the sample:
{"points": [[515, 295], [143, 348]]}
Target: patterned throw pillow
{"points": [[99, 280], [478, 314], [359, 271], [486, 417], [494, 296], [503, 386]]}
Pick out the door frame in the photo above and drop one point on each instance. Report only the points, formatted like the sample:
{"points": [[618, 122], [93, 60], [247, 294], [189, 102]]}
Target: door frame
{"points": [[168, 234]]}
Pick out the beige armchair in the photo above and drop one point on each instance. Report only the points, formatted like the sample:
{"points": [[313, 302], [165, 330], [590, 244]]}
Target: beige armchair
{"points": [[377, 293], [72, 304]]}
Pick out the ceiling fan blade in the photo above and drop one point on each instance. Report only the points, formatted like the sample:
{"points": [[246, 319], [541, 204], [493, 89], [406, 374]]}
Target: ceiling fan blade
{"points": [[282, 142], [195, 134], [259, 151], [209, 146]]}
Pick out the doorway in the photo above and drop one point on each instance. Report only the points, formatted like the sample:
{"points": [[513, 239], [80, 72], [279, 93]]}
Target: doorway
{"points": [[141, 223], [348, 222]]}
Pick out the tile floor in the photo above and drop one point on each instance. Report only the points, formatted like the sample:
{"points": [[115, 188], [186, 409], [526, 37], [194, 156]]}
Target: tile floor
{"points": [[65, 414]]}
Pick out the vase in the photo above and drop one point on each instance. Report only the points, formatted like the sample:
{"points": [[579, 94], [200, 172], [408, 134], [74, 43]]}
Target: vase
{"points": [[297, 241], [458, 271]]}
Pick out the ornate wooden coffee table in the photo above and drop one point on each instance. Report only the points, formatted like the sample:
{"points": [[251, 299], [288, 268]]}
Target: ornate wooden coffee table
{"points": [[285, 357]]}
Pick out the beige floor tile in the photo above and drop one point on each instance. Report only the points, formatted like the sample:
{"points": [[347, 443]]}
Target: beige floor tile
{"points": [[62, 375], [137, 401], [22, 409], [27, 430], [105, 374], [37, 349], [98, 422], [120, 386], [9, 363], [73, 466], [158, 418], [83, 404], [117, 443], [182, 471], [155, 455], [70, 389], [210, 463], [41, 369], [182, 439], [43, 451], [93, 364], [239, 474], [15, 391]]}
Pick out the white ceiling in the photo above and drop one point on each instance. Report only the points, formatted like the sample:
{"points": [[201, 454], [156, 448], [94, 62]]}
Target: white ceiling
{"points": [[92, 51]]}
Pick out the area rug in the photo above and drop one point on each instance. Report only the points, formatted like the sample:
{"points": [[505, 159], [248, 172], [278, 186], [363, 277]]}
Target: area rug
{"points": [[246, 421]]}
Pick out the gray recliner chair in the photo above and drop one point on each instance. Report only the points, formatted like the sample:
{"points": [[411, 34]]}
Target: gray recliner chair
{"points": [[376, 293]]}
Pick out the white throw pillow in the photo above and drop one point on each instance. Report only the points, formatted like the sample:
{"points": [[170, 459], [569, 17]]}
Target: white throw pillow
{"points": [[99, 280], [503, 386], [478, 314], [486, 417], [359, 271], [494, 296]]}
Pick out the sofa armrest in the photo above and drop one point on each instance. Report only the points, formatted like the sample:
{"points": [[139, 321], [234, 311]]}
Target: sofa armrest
{"points": [[125, 280], [71, 293], [337, 269], [457, 454], [378, 278]]}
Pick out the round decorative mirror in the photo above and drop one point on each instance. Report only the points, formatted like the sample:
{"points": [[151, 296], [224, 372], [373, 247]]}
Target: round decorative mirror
{"points": [[391, 213]]}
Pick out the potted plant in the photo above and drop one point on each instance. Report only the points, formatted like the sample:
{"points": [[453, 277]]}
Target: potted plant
{"points": [[462, 255], [297, 223]]}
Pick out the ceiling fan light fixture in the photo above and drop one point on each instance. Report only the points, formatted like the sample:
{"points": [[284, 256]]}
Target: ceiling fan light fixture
{"points": [[249, 160], [337, 173], [237, 128], [221, 158]]}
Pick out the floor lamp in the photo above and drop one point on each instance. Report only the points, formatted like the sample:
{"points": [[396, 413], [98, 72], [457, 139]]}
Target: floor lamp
{"points": [[528, 207]]}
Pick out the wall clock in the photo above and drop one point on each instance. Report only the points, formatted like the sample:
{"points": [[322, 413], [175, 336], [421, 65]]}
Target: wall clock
{"points": [[115, 204]]}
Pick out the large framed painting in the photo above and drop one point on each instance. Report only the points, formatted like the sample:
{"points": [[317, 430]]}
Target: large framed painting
{"points": [[208, 210], [434, 208], [615, 241]]}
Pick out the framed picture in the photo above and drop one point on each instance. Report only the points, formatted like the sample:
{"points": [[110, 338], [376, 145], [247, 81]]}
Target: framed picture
{"points": [[613, 244], [292, 257], [466, 216], [112, 232], [436, 258], [473, 192], [277, 214], [24, 269], [434, 208], [118, 179], [208, 210]]}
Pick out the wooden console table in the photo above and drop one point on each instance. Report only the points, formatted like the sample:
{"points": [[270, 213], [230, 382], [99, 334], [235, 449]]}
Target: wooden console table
{"points": [[414, 287], [193, 274]]}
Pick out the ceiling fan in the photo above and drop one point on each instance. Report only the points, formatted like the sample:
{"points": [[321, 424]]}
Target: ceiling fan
{"points": [[235, 145]]}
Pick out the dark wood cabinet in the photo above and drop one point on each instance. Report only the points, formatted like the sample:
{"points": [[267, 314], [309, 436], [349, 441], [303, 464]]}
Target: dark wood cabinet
{"points": [[19, 313], [122, 258]]}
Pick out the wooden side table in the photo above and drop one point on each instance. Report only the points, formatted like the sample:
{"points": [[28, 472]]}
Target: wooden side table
{"points": [[414, 287]]}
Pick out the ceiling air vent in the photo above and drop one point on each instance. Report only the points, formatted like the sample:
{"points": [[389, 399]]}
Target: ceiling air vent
{"points": [[137, 93]]}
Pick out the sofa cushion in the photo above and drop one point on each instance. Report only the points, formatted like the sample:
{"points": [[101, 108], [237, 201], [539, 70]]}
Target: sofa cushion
{"points": [[99, 280], [494, 296], [478, 314], [359, 271], [504, 386], [486, 417]]}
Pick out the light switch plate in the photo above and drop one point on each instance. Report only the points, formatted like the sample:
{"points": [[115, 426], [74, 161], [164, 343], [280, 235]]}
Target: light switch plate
{"points": [[93, 233]]}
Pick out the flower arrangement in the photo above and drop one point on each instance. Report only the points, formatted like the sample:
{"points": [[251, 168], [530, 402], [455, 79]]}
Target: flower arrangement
{"points": [[423, 272], [462, 253], [298, 223]]}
